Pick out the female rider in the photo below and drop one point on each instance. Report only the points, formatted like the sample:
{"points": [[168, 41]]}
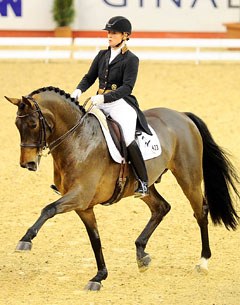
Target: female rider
{"points": [[117, 69]]}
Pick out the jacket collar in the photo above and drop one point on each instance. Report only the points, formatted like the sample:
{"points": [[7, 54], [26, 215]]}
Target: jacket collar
{"points": [[124, 49], [118, 57]]}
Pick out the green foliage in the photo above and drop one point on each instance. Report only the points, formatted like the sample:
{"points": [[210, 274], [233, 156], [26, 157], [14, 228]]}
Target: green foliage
{"points": [[63, 12]]}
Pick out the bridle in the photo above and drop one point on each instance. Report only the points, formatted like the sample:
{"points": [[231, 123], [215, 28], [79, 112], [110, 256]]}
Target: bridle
{"points": [[42, 142], [41, 145]]}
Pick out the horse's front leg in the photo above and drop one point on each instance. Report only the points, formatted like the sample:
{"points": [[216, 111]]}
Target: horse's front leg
{"points": [[25, 242], [90, 223], [56, 207]]}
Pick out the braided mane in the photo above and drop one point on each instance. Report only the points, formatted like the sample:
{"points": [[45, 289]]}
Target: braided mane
{"points": [[60, 92]]}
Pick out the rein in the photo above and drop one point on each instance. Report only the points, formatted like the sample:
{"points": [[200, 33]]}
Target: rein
{"points": [[59, 140]]}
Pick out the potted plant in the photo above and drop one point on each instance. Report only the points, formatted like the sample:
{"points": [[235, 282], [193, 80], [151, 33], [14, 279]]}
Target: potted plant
{"points": [[233, 29], [63, 14]]}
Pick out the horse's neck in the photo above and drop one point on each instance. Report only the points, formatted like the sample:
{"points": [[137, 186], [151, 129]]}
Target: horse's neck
{"points": [[60, 114], [62, 110], [66, 116], [82, 146]]}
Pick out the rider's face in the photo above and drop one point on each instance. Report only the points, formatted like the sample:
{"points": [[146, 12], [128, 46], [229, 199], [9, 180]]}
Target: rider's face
{"points": [[114, 38]]}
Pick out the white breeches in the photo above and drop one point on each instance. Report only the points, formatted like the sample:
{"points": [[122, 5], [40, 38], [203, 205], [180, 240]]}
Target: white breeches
{"points": [[125, 115]]}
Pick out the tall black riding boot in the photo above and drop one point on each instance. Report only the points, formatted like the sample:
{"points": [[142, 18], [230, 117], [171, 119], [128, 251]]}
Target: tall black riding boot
{"points": [[139, 168]]}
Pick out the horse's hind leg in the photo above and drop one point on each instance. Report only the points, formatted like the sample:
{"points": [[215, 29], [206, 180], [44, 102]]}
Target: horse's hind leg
{"points": [[191, 186], [89, 220], [159, 208], [202, 266], [202, 220]]}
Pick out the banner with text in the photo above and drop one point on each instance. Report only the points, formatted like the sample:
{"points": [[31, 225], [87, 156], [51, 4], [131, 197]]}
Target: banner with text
{"points": [[145, 15]]}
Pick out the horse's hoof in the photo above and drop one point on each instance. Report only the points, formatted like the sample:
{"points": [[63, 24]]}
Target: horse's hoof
{"points": [[144, 263], [202, 266], [24, 246], [201, 270], [93, 286]]}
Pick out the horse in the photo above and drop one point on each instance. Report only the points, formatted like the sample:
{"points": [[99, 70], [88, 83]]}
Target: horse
{"points": [[86, 175]]}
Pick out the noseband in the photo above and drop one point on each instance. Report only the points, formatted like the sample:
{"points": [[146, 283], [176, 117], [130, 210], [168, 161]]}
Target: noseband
{"points": [[42, 143]]}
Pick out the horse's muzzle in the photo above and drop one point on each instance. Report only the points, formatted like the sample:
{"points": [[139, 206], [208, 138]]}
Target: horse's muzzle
{"points": [[29, 159], [31, 166]]}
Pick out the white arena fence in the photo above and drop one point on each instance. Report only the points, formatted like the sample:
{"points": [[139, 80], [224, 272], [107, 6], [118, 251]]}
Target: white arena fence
{"points": [[35, 48], [163, 49]]}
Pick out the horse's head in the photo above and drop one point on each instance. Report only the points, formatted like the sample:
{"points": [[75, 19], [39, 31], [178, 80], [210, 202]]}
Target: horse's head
{"points": [[37, 125], [33, 130]]}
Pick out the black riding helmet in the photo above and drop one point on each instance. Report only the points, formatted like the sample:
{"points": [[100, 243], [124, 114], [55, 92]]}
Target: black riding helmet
{"points": [[119, 24]]}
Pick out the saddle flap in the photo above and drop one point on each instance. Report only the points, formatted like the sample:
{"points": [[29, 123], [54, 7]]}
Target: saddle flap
{"points": [[117, 136]]}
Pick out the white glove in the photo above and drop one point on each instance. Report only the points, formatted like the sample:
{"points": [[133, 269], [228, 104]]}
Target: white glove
{"points": [[97, 99], [76, 94]]}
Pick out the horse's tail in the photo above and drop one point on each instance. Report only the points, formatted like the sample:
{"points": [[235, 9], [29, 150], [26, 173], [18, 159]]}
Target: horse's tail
{"points": [[220, 178]]}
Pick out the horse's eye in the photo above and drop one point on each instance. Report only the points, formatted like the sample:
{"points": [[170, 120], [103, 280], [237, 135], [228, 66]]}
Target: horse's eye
{"points": [[21, 106], [33, 125]]}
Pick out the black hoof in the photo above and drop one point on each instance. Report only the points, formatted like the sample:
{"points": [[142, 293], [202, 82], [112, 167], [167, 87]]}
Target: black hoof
{"points": [[93, 286], [24, 246], [143, 263]]}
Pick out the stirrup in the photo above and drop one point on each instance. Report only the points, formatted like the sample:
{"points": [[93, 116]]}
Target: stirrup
{"points": [[142, 189]]}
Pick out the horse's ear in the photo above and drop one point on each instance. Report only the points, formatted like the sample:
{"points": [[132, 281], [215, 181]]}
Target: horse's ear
{"points": [[27, 101], [14, 101]]}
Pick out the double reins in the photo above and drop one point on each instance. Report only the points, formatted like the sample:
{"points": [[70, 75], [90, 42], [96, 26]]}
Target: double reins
{"points": [[59, 140], [42, 143]]}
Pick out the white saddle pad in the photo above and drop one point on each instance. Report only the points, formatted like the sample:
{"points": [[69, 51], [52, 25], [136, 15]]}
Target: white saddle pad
{"points": [[149, 145]]}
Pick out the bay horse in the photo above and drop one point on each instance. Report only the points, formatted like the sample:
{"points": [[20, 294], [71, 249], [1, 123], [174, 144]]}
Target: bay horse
{"points": [[86, 175]]}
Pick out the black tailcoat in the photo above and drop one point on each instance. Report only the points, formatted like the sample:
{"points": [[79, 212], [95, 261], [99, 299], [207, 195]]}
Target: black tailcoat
{"points": [[119, 76]]}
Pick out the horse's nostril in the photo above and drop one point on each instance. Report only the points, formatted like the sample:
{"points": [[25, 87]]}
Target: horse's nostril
{"points": [[32, 166]]}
